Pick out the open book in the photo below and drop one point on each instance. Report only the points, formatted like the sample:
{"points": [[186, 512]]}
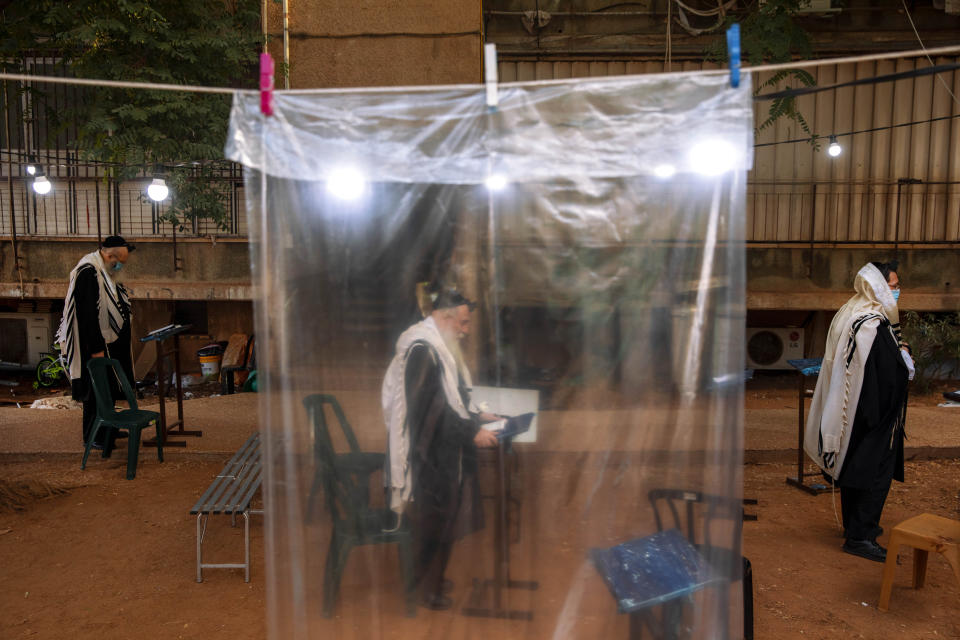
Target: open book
{"points": [[510, 427]]}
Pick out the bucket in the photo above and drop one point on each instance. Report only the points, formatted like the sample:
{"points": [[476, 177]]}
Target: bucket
{"points": [[210, 365]]}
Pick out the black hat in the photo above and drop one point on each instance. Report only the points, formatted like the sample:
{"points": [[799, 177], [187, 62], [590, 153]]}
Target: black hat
{"points": [[117, 241], [451, 298]]}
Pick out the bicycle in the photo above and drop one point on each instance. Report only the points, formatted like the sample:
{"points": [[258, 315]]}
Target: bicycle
{"points": [[51, 369]]}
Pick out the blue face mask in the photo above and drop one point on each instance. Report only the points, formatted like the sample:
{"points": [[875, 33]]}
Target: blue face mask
{"points": [[896, 294], [117, 266]]}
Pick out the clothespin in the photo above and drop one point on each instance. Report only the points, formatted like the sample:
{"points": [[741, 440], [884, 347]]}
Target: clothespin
{"points": [[266, 84], [733, 52], [490, 75]]}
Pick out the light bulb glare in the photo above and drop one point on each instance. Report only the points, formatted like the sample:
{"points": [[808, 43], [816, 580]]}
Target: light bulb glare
{"points": [[496, 182], [834, 149], [31, 170], [346, 183], [158, 190], [664, 171], [713, 157], [41, 185]]}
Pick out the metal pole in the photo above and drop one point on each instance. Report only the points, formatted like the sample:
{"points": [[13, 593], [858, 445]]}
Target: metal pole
{"points": [[813, 228], [896, 231], [263, 16], [96, 190], [286, 44], [896, 227], [13, 217]]}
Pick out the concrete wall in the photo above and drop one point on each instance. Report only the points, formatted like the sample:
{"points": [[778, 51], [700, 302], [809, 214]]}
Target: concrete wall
{"points": [[380, 42], [203, 270], [822, 279]]}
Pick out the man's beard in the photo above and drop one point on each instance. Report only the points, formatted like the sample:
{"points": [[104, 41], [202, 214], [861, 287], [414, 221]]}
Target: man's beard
{"points": [[452, 342]]}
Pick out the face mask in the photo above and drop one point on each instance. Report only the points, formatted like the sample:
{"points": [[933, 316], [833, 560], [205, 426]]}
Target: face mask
{"points": [[117, 266], [896, 294]]}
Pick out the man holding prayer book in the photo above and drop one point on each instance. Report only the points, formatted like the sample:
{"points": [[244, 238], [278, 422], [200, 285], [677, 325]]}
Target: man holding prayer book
{"points": [[434, 430]]}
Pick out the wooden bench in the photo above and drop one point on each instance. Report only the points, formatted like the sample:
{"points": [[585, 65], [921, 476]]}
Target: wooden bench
{"points": [[231, 493]]}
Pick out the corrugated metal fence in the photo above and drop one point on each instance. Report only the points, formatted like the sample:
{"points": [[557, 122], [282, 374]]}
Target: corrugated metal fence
{"points": [[798, 193]]}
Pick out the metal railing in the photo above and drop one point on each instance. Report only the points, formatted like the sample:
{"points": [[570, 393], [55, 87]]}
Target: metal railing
{"points": [[96, 207]]}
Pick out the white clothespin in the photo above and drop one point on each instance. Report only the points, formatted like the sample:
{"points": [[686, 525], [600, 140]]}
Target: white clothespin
{"points": [[490, 75]]}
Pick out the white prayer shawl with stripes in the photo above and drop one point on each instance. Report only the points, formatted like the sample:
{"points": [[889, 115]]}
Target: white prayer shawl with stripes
{"points": [[837, 393], [108, 304]]}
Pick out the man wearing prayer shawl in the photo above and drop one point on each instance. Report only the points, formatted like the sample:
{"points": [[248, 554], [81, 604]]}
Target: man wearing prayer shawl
{"points": [[96, 324], [433, 432], [855, 429]]}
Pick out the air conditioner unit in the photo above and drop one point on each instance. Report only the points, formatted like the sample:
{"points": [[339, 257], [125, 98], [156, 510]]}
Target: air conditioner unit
{"points": [[771, 348], [24, 337]]}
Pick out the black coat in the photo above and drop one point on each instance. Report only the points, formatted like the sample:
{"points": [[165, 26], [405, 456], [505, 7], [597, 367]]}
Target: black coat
{"points": [[86, 293], [876, 437], [443, 457]]}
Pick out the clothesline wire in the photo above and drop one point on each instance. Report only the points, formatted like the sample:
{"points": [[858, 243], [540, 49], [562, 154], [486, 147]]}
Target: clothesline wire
{"points": [[853, 133], [149, 86]]}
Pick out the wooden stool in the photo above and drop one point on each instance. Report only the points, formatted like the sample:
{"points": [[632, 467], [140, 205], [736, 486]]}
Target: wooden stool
{"points": [[924, 533]]}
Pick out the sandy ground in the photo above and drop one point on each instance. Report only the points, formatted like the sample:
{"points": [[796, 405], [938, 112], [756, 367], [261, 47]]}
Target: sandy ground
{"points": [[95, 556]]}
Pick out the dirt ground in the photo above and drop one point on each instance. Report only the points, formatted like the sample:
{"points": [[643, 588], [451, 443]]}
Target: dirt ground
{"points": [[86, 554]]}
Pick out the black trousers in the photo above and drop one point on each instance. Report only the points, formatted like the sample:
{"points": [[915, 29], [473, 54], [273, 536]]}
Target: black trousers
{"points": [[861, 508], [430, 563], [433, 538]]}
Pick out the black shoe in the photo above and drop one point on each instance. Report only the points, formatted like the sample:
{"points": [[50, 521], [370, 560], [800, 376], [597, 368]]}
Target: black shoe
{"points": [[868, 549], [436, 602], [96, 446]]}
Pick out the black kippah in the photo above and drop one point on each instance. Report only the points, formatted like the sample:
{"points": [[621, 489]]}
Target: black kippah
{"points": [[452, 298]]}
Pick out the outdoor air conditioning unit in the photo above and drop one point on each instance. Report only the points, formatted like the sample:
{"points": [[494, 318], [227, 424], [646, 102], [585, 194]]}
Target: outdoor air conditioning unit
{"points": [[771, 348], [24, 337]]}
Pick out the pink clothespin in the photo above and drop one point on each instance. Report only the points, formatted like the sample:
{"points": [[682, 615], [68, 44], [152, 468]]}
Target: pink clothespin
{"points": [[266, 84]]}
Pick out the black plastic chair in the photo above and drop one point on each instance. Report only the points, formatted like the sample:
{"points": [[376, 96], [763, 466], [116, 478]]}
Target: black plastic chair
{"points": [[694, 513], [345, 479], [133, 420]]}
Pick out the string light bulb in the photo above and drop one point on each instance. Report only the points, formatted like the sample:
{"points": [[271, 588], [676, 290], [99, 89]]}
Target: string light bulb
{"points": [[346, 183], [664, 171], [713, 157], [834, 149], [158, 190], [31, 170], [41, 185], [496, 182]]}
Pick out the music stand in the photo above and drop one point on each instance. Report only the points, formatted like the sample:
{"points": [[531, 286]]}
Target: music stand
{"points": [[175, 429], [806, 368], [486, 598]]}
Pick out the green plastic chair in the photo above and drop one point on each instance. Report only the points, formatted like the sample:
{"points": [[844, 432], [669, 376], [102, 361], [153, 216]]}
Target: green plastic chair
{"points": [[345, 479], [134, 420]]}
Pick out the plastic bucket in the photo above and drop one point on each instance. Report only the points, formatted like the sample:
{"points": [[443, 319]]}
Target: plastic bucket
{"points": [[210, 365]]}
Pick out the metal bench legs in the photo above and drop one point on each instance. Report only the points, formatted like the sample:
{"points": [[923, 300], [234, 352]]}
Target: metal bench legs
{"points": [[245, 565]]}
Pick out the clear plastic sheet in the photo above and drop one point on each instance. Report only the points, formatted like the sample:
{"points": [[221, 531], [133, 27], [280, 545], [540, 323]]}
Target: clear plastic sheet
{"points": [[598, 224]]}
